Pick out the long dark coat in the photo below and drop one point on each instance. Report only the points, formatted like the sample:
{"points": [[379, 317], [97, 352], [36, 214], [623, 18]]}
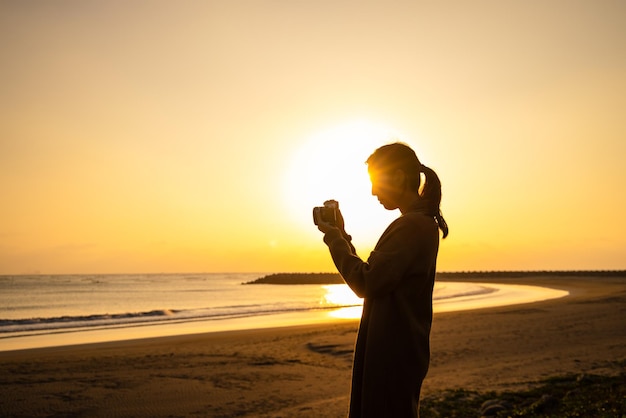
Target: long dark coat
{"points": [[392, 348]]}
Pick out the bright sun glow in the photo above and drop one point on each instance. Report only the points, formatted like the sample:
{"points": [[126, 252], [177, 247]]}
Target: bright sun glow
{"points": [[341, 294], [331, 165]]}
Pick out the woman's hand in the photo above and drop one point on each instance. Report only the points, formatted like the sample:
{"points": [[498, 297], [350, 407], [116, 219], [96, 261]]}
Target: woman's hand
{"points": [[339, 223], [325, 227]]}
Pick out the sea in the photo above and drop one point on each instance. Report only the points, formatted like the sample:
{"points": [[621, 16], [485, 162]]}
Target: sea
{"points": [[51, 310]]}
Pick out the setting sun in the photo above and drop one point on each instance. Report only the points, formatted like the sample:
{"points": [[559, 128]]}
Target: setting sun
{"points": [[331, 165]]}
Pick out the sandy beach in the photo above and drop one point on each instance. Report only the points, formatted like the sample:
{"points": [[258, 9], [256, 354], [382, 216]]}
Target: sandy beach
{"points": [[304, 371]]}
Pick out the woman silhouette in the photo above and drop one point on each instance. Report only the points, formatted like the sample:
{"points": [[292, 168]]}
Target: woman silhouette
{"points": [[392, 348]]}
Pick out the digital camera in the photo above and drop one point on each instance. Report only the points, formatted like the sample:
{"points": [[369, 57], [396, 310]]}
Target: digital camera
{"points": [[326, 213]]}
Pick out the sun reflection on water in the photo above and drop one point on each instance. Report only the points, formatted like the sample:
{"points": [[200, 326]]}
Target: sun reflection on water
{"points": [[351, 306]]}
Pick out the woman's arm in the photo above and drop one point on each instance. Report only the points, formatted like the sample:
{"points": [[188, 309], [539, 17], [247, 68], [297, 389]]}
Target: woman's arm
{"points": [[402, 243]]}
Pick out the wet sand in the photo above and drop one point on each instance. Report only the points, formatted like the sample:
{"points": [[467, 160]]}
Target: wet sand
{"points": [[304, 371]]}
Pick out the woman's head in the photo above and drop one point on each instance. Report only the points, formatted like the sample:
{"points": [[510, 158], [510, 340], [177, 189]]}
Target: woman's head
{"points": [[395, 172], [392, 157]]}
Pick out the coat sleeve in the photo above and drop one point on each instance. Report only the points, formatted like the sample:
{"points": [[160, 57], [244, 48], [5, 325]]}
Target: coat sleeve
{"points": [[396, 251]]}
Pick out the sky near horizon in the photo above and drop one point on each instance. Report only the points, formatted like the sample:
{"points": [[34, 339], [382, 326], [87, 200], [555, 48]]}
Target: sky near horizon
{"points": [[157, 136]]}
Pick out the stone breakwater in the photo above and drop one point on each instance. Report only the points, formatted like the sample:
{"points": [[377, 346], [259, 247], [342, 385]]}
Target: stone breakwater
{"points": [[335, 278], [299, 278]]}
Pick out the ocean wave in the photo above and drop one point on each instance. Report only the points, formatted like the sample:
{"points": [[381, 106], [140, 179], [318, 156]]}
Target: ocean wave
{"points": [[64, 309], [11, 327]]}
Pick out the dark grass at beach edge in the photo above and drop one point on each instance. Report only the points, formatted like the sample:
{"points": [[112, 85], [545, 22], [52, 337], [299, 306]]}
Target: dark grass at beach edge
{"points": [[335, 278], [568, 396]]}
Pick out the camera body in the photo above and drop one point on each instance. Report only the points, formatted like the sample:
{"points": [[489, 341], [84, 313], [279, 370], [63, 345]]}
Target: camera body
{"points": [[326, 213]]}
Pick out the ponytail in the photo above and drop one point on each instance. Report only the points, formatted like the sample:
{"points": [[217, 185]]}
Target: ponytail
{"points": [[431, 193]]}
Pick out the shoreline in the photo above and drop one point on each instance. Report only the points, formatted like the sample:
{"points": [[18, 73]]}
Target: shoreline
{"points": [[481, 295], [304, 371]]}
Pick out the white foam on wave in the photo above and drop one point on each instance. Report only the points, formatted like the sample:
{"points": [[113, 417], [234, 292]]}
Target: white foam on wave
{"points": [[457, 296], [496, 294]]}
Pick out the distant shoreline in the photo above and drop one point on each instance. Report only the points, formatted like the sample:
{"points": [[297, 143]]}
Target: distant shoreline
{"points": [[335, 278]]}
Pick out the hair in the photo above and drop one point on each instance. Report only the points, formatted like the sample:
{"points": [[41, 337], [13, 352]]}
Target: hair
{"points": [[399, 156]]}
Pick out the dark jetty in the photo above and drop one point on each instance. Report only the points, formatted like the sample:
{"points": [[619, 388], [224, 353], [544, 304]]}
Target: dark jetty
{"points": [[299, 278], [335, 278]]}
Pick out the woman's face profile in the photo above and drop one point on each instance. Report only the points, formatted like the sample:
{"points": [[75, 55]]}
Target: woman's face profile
{"points": [[385, 186]]}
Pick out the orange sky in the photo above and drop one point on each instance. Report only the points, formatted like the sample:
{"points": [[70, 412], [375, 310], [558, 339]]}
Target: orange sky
{"points": [[155, 136]]}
